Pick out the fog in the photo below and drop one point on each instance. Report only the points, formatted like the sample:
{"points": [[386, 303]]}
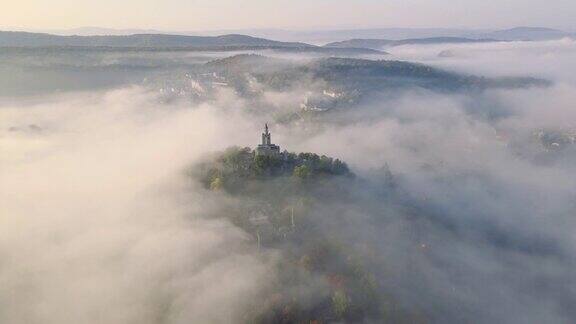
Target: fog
{"points": [[100, 224], [94, 226], [549, 59]]}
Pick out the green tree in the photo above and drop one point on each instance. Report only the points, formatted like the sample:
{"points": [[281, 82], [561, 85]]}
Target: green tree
{"points": [[265, 164], [216, 184], [340, 303], [302, 172]]}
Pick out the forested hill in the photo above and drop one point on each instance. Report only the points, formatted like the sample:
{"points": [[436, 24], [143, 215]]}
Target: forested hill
{"points": [[297, 205], [387, 43], [24, 39], [358, 76], [233, 168]]}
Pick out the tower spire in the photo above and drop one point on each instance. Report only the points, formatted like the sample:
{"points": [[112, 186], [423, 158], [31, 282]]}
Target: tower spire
{"points": [[266, 136], [267, 148]]}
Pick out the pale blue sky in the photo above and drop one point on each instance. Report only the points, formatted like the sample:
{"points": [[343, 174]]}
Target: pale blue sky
{"points": [[297, 14]]}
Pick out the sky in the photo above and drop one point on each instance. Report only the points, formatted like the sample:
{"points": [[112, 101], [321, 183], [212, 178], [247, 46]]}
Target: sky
{"points": [[190, 15]]}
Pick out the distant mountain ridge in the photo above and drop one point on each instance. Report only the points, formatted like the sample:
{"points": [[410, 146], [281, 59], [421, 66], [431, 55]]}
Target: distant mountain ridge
{"points": [[361, 38], [513, 34], [24, 39], [528, 33], [329, 36], [387, 43], [336, 35]]}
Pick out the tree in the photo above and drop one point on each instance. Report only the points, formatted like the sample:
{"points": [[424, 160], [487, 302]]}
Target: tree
{"points": [[340, 167], [325, 164], [265, 164], [216, 184], [340, 303], [302, 172]]}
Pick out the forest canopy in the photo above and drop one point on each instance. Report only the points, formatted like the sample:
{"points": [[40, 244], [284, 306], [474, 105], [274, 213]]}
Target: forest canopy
{"points": [[233, 167], [291, 203]]}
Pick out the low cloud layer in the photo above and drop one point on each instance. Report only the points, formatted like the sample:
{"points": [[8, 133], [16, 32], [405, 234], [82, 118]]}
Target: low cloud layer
{"points": [[94, 225], [547, 59]]}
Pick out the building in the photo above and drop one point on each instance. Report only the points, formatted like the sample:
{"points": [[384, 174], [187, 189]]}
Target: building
{"points": [[267, 148]]}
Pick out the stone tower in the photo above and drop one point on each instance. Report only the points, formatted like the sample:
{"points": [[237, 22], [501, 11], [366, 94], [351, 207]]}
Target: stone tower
{"points": [[267, 148]]}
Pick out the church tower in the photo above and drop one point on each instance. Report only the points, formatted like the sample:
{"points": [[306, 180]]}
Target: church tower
{"points": [[266, 136], [267, 148]]}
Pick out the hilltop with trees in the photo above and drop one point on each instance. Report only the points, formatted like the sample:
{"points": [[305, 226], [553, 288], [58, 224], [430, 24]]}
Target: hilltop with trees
{"points": [[295, 204], [236, 166]]}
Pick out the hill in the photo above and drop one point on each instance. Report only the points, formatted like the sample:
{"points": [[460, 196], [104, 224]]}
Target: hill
{"points": [[325, 85], [386, 43], [379, 41], [294, 204], [232, 169], [528, 33], [23, 39], [344, 81]]}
